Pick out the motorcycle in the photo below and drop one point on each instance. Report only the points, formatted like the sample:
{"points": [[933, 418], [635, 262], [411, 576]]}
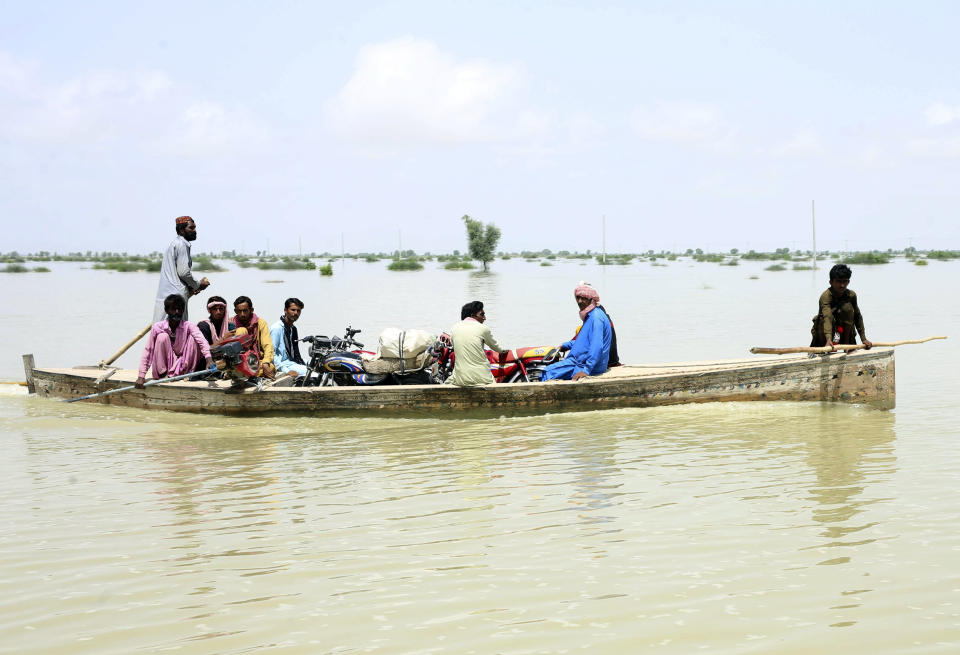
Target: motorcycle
{"points": [[339, 362], [517, 365]]}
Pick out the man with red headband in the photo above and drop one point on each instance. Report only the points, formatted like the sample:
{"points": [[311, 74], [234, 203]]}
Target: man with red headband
{"points": [[216, 328], [590, 350], [175, 274]]}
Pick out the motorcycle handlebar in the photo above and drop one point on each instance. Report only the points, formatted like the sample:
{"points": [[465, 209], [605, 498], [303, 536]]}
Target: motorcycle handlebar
{"points": [[336, 342]]}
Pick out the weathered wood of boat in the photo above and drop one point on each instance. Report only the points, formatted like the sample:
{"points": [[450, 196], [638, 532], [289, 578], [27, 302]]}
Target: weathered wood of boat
{"points": [[861, 377]]}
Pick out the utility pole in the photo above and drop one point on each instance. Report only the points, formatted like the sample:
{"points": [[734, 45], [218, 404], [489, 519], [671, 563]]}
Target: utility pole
{"points": [[300, 245], [342, 251], [604, 239], [813, 213]]}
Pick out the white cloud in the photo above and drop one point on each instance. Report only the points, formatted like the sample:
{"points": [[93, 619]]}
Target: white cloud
{"points": [[942, 114], [934, 148], [942, 146], [13, 73], [407, 92], [805, 143], [94, 107], [682, 122], [583, 130], [129, 109], [876, 157], [209, 129]]}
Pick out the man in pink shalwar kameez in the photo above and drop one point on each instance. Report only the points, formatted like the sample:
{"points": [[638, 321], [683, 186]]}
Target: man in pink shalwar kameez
{"points": [[173, 346]]}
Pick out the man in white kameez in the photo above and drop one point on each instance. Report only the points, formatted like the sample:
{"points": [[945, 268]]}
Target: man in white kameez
{"points": [[469, 337], [175, 274]]}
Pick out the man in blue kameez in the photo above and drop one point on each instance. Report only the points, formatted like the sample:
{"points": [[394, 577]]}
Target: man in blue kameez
{"points": [[590, 349], [286, 349]]}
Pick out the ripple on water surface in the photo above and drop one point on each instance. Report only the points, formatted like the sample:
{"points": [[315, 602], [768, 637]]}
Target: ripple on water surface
{"points": [[671, 529]]}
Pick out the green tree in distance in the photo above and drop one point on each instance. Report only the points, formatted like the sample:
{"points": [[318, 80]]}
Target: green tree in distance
{"points": [[482, 240]]}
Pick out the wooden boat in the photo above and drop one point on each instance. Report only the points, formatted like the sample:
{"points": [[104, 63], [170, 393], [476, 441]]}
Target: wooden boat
{"points": [[860, 377]]}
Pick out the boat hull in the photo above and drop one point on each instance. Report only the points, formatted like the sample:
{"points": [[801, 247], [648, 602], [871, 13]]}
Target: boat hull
{"points": [[861, 377]]}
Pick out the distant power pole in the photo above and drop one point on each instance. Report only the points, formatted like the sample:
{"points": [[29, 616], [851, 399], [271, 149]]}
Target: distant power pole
{"points": [[604, 238], [342, 251], [813, 213], [300, 245]]}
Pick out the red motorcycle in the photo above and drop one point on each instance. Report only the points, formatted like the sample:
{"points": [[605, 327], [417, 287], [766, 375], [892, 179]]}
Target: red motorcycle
{"points": [[517, 365]]}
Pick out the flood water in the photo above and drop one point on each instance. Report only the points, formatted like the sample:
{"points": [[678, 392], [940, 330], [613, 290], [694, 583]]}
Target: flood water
{"points": [[788, 528]]}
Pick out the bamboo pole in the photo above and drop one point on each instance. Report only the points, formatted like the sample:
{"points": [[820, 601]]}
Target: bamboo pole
{"points": [[125, 348], [826, 349], [133, 386]]}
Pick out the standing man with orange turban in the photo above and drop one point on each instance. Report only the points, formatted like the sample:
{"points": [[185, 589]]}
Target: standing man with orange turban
{"points": [[175, 274]]}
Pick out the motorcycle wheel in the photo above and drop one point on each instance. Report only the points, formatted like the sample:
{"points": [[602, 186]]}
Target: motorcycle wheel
{"points": [[516, 377], [534, 374]]}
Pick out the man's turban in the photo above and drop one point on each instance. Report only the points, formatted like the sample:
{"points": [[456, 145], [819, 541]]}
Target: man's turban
{"points": [[584, 290]]}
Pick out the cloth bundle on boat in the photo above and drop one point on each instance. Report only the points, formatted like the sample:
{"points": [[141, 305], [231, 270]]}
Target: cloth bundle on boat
{"points": [[383, 365], [404, 344]]}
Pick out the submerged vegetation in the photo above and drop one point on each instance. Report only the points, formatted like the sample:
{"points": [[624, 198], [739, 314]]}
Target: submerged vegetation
{"points": [[266, 263], [20, 268], [943, 254], [780, 259], [611, 259], [482, 240], [458, 265], [205, 263], [406, 264], [872, 257], [129, 264]]}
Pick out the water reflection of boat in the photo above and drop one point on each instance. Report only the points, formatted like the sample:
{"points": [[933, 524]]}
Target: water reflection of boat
{"points": [[861, 377]]}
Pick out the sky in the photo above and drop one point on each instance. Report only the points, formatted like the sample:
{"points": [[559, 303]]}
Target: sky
{"points": [[316, 126]]}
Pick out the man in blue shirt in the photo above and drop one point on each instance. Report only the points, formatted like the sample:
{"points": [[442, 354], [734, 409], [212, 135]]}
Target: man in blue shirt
{"points": [[590, 350], [286, 349]]}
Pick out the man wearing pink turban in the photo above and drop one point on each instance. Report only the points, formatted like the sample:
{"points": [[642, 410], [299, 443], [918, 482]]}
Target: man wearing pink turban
{"points": [[590, 350]]}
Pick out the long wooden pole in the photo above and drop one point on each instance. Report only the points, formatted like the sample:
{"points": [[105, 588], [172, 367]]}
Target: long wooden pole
{"points": [[133, 386], [125, 348], [826, 349]]}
